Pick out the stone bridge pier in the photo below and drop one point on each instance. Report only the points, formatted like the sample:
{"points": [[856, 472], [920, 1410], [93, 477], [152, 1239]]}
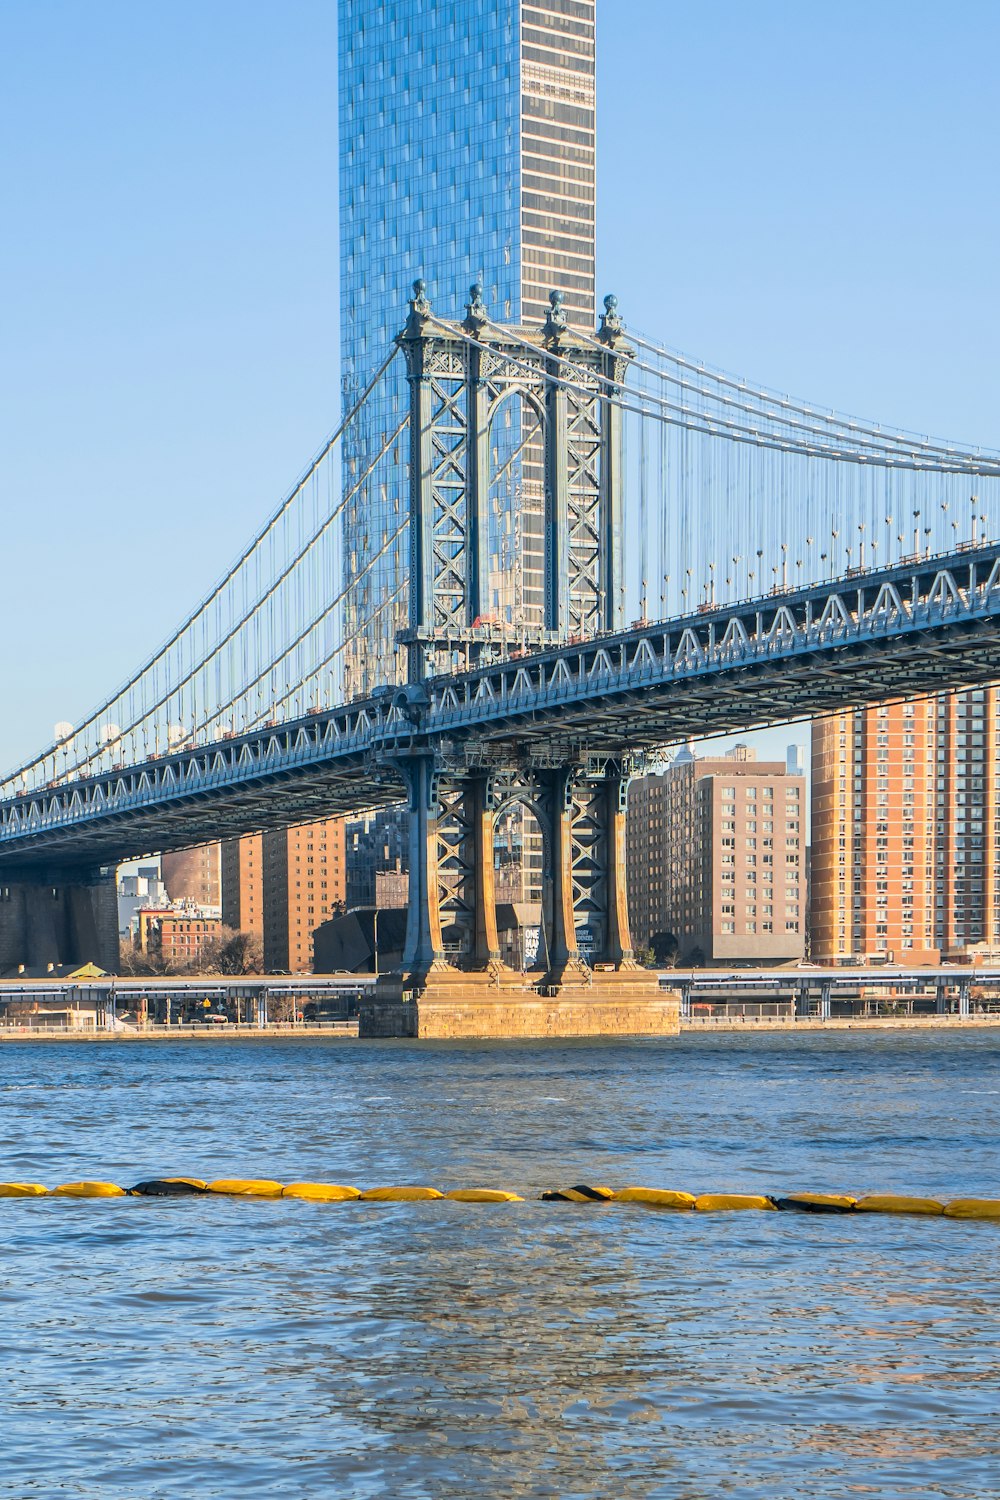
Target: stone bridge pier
{"points": [[55, 916], [587, 982]]}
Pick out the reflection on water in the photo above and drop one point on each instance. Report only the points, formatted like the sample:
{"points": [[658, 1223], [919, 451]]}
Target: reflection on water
{"points": [[161, 1348]]}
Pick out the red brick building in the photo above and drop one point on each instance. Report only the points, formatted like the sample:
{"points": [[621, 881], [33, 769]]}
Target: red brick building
{"points": [[282, 885], [178, 937]]}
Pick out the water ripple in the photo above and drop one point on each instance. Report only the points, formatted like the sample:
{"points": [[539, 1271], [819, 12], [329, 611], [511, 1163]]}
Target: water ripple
{"points": [[211, 1347]]}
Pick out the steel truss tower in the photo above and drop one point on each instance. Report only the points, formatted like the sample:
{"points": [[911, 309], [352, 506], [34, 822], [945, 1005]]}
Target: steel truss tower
{"points": [[460, 376]]}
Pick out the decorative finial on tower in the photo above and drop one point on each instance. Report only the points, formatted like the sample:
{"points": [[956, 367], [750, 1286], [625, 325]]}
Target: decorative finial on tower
{"points": [[420, 309], [612, 326], [555, 318], [476, 315]]}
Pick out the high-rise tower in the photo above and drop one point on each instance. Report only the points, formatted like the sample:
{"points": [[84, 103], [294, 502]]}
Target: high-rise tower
{"points": [[467, 135]]}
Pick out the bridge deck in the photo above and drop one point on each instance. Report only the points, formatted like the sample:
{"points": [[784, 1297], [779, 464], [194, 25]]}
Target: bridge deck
{"points": [[900, 631]]}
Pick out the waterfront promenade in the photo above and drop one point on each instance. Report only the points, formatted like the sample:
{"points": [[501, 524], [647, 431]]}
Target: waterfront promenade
{"points": [[348, 1030]]}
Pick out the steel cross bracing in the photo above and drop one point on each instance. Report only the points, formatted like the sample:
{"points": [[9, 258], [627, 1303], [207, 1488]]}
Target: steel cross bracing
{"points": [[460, 377], [899, 631]]}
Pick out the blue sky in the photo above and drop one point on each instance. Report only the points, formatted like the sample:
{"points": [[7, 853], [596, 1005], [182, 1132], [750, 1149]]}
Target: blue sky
{"points": [[805, 194]]}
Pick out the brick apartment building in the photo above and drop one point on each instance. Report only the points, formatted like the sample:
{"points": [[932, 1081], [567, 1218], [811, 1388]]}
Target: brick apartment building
{"points": [[178, 937], [281, 885], [716, 859], [905, 838], [193, 875]]}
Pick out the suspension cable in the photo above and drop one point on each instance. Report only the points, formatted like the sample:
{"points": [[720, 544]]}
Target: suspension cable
{"points": [[761, 394], [201, 611], [846, 429], [863, 453], [658, 408]]}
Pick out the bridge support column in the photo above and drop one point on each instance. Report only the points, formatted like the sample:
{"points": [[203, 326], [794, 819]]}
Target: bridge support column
{"points": [[592, 967], [452, 982], [423, 948]]}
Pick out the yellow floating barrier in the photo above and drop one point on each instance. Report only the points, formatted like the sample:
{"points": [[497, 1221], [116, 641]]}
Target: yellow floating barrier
{"points": [[973, 1208], [579, 1194], [818, 1203], [655, 1197], [482, 1195], [320, 1192], [398, 1194], [168, 1187], [22, 1190], [714, 1202], [88, 1190], [246, 1187], [889, 1203]]}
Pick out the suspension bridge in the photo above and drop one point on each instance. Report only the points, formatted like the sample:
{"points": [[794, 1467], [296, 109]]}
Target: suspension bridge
{"points": [[570, 549]]}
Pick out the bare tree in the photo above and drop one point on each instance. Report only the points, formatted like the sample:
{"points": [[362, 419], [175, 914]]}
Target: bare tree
{"points": [[231, 952], [133, 960]]}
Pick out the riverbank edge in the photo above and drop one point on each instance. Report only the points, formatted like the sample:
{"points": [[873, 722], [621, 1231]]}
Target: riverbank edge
{"points": [[705, 1025]]}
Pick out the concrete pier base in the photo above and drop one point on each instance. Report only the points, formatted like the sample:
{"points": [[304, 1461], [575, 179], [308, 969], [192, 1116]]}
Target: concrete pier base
{"points": [[449, 1004]]}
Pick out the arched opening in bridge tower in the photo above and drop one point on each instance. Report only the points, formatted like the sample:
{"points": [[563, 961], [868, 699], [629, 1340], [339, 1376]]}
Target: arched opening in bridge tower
{"points": [[514, 594], [518, 862]]}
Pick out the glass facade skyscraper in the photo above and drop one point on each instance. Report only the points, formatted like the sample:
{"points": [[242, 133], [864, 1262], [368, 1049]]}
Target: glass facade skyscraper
{"points": [[467, 134]]}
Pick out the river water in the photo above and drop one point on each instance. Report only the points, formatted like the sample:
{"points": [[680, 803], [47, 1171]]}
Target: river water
{"points": [[214, 1347]]}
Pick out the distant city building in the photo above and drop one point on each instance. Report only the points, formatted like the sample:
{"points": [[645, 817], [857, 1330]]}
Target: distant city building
{"points": [[282, 885], [177, 935], [304, 884], [467, 153], [376, 856], [193, 875], [716, 859], [795, 760], [905, 837], [242, 881], [144, 888]]}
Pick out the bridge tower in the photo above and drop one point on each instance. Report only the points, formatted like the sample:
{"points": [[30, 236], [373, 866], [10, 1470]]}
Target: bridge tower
{"points": [[587, 983]]}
